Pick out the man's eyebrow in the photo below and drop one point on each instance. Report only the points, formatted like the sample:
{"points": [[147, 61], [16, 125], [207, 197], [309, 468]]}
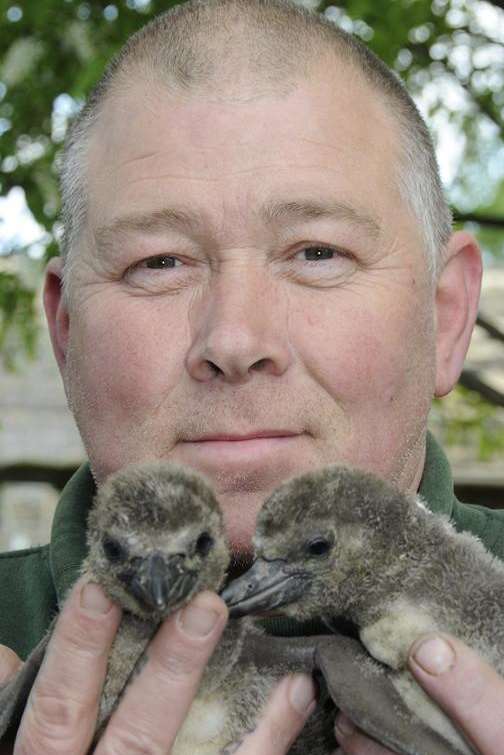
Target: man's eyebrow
{"points": [[158, 221], [272, 212]]}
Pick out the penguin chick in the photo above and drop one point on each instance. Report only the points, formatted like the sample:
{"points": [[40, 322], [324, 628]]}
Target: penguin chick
{"points": [[156, 538], [342, 543]]}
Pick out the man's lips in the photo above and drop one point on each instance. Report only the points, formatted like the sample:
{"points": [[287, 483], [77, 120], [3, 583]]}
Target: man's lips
{"points": [[240, 450], [234, 437]]}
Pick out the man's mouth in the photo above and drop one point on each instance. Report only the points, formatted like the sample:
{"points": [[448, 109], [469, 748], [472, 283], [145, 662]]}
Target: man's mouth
{"points": [[225, 437], [238, 450]]}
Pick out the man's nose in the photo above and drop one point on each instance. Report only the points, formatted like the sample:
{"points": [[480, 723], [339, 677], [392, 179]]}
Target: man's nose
{"points": [[239, 327]]}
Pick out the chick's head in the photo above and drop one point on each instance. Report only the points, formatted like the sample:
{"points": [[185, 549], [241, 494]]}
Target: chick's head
{"points": [[156, 538], [318, 540]]}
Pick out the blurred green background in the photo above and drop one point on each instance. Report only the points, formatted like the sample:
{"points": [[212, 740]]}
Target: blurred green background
{"points": [[450, 53]]}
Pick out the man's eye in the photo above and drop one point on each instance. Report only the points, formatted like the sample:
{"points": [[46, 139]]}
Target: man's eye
{"points": [[315, 253], [161, 273], [320, 265], [161, 262]]}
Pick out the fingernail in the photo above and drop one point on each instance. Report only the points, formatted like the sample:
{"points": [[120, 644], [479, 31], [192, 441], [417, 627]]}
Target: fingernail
{"points": [[433, 654], [94, 600], [301, 693], [197, 621], [344, 727]]}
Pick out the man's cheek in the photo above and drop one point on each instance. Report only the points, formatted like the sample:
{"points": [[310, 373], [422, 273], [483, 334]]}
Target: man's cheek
{"points": [[123, 367], [352, 358]]}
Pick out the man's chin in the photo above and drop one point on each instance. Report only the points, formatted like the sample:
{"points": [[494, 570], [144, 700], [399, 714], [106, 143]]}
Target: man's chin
{"points": [[244, 469]]}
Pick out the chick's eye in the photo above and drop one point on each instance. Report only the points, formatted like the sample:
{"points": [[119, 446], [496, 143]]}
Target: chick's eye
{"points": [[319, 546], [113, 550], [204, 544]]}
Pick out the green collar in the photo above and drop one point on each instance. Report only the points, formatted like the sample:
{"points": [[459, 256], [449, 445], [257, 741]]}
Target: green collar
{"points": [[436, 485], [68, 538], [68, 535]]}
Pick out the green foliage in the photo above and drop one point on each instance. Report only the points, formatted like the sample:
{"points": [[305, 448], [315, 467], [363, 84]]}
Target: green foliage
{"points": [[491, 241], [465, 419], [496, 207], [18, 323]]}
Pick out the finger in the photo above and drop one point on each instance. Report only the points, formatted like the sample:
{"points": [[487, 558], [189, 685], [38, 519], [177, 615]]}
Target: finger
{"points": [[353, 741], [156, 702], [467, 688], [10, 663], [288, 709], [61, 710]]}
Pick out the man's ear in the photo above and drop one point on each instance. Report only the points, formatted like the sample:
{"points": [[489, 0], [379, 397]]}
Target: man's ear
{"points": [[56, 310], [457, 298]]}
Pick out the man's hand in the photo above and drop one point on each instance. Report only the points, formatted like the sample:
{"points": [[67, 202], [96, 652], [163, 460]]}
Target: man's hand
{"points": [[61, 712], [468, 689]]}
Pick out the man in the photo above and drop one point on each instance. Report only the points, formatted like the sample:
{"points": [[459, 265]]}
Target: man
{"points": [[258, 278]]}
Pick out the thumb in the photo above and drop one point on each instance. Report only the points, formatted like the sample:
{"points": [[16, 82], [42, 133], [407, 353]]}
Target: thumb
{"points": [[465, 686], [10, 664]]}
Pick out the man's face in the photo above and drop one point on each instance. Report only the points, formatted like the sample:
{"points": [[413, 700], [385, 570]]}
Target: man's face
{"points": [[251, 297]]}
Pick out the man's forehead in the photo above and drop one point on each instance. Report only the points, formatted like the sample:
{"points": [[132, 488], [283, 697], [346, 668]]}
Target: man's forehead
{"points": [[147, 99], [151, 141]]}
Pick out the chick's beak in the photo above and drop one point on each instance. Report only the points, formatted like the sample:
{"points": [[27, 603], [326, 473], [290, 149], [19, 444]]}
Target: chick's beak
{"points": [[265, 586], [160, 581]]}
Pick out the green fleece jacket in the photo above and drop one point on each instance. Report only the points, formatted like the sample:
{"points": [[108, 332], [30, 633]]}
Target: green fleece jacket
{"points": [[33, 582]]}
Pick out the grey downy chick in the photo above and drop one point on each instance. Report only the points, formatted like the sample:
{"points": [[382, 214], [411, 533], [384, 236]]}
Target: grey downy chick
{"points": [[342, 543], [156, 538]]}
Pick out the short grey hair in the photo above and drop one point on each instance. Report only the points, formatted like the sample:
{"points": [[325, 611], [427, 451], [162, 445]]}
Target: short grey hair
{"points": [[201, 44]]}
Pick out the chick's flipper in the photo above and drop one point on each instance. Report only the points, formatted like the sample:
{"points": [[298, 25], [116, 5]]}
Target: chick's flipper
{"points": [[364, 690], [358, 685]]}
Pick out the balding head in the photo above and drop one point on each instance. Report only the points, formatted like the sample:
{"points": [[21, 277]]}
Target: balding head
{"points": [[247, 49]]}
